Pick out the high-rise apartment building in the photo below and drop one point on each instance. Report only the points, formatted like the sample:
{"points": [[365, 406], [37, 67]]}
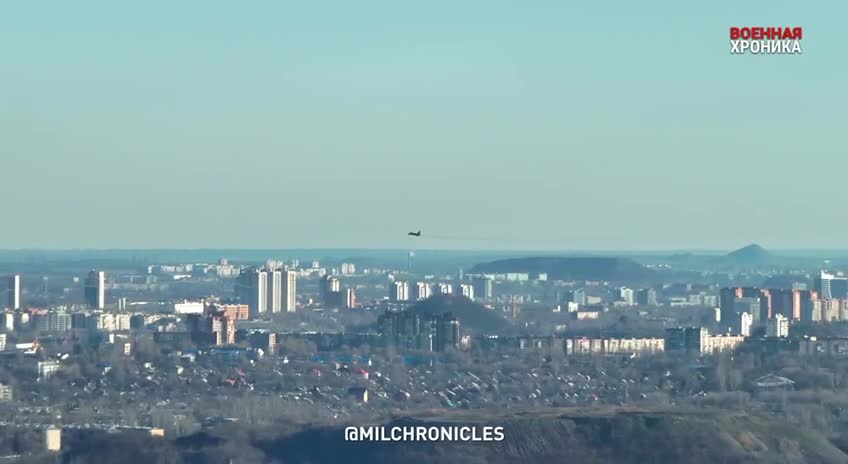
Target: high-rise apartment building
{"points": [[52, 321], [482, 287], [350, 298], [95, 290], [423, 332], [466, 290], [786, 303], [446, 332], [252, 290], [13, 298], [289, 291], [626, 296], [399, 291], [217, 328], [831, 286], [275, 290], [647, 297], [730, 311], [777, 326], [239, 311], [348, 269], [421, 291], [810, 306]]}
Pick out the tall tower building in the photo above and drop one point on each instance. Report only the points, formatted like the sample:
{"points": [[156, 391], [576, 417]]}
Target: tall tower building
{"points": [[399, 291], [831, 286], [729, 309], [482, 287], [330, 289], [330, 284], [577, 297], [95, 289], [289, 291], [14, 292], [777, 326], [350, 298], [647, 296], [786, 303], [466, 290], [421, 291], [252, 290], [275, 290], [809, 303], [626, 295], [447, 332]]}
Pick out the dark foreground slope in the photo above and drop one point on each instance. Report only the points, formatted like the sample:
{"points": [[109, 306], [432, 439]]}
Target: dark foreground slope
{"points": [[570, 268], [619, 438], [591, 436]]}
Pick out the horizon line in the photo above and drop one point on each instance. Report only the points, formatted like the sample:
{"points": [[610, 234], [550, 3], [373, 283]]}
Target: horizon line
{"points": [[499, 250]]}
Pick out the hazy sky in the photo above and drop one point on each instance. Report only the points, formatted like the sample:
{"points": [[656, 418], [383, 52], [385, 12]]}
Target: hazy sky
{"points": [[547, 124]]}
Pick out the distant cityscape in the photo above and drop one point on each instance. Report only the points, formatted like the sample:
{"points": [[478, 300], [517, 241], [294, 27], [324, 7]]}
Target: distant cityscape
{"points": [[125, 348]]}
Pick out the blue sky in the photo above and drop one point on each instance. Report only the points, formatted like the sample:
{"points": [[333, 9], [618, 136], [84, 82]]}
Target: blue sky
{"points": [[517, 125]]}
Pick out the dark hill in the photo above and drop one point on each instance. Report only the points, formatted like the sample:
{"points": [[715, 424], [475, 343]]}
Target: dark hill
{"points": [[570, 268], [751, 254], [472, 316]]}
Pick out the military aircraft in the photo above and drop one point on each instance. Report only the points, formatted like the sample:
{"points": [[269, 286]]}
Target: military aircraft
{"points": [[415, 234]]}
